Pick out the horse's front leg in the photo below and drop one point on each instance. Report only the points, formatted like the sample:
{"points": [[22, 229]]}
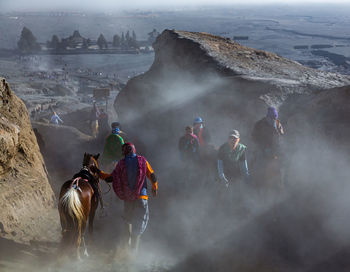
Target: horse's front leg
{"points": [[94, 204]]}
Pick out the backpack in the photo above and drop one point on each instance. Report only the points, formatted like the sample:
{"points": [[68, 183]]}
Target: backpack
{"points": [[120, 180]]}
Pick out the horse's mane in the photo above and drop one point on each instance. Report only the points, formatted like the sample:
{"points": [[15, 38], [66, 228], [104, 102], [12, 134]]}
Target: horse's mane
{"points": [[86, 159]]}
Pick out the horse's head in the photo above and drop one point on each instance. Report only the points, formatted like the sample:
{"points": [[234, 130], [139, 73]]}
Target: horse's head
{"points": [[91, 160]]}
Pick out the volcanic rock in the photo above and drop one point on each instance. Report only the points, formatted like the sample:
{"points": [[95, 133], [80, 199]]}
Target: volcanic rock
{"points": [[230, 86], [25, 192], [326, 115], [227, 84], [63, 151]]}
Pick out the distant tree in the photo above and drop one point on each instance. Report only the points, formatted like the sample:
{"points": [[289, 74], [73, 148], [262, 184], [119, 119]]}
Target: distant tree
{"points": [[127, 36], [123, 43], [101, 42], [27, 42], [54, 42], [133, 42], [116, 41], [128, 39]]}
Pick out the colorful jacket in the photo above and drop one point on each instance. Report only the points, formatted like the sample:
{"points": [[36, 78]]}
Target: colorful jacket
{"points": [[113, 148], [122, 184], [203, 135]]}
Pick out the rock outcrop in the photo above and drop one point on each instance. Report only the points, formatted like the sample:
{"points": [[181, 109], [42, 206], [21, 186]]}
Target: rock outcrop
{"points": [[325, 114], [25, 192], [229, 85], [63, 150]]}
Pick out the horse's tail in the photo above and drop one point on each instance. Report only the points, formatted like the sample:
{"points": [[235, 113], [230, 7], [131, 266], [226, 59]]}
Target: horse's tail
{"points": [[70, 202]]}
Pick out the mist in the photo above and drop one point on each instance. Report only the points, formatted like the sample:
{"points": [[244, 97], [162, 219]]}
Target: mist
{"points": [[110, 5], [197, 224]]}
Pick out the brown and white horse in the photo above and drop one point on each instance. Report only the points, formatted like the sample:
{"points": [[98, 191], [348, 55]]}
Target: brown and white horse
{"points": [[77, 204]]}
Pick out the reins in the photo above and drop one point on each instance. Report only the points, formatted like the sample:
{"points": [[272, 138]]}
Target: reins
{"points": [[109, 186], [109, 189]]}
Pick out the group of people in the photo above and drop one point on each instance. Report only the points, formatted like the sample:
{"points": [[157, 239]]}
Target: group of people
{"points": [[128, 171], [231, 158], [98, 121]]}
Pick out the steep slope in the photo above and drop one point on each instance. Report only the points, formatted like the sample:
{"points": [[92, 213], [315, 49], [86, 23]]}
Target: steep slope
{"points": [[25, 193], [63, 150]]}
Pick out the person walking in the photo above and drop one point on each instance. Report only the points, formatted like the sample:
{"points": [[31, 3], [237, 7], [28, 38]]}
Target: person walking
{"points": [[268, 155], [112, 151], [232, 162], [129, 184], [55, 119]]}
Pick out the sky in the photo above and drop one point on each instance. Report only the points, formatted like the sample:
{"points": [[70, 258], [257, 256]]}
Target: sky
{"points": [[38, 5]]}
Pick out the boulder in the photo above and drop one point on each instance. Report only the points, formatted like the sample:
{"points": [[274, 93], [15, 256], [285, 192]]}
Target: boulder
{"points": [[227, 84]]}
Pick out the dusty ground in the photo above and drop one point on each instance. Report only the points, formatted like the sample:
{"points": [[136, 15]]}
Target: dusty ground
{"points": [[42, 255]]}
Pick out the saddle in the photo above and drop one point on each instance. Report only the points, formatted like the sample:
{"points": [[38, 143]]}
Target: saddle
{"points": [[85, 174]]}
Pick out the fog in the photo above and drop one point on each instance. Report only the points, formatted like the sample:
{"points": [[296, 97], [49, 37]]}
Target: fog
{"points": [[210, 225], [196, 223], [111, 5]]}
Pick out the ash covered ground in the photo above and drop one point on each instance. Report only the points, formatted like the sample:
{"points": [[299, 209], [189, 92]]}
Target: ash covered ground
{"points": [[66, 83]]}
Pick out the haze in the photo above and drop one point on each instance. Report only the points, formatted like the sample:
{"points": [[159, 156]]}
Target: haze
{"points": [[107, 5]]}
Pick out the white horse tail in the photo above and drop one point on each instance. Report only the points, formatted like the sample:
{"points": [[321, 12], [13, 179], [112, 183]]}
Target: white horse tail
{"points": [[71, 203]]}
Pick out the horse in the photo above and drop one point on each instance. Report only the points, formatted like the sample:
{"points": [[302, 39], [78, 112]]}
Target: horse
{"points": [[78, 202]]}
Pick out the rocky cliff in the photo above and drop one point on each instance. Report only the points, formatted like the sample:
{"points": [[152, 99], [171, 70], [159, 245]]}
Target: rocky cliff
{"points": [[63, 148], [25, 192], [229, 85]]}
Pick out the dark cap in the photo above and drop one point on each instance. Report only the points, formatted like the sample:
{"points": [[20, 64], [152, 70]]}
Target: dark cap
{"points": [[234, 133], [115, 124]]}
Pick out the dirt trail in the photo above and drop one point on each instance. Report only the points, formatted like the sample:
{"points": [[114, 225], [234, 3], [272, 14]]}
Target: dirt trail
{"points": [[42, 255]]}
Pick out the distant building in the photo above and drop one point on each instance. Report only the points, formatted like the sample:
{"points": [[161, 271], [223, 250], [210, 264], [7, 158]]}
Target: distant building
{"points": [[74, 41]]}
